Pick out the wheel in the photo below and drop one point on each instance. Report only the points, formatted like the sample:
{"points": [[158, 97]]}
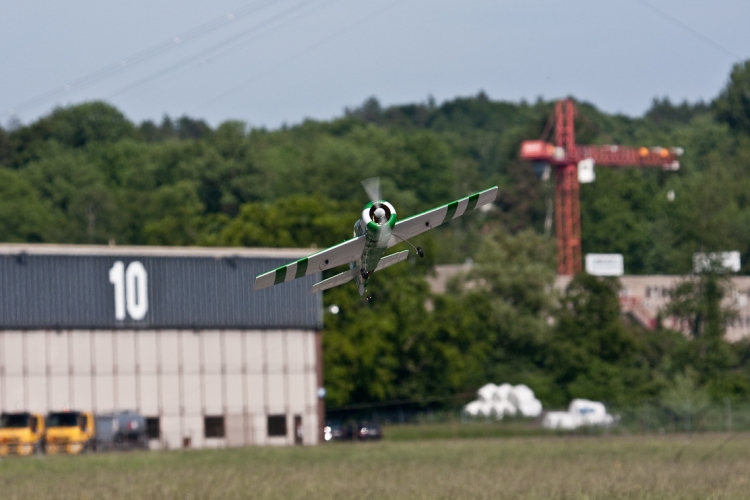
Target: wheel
{"points": [[364, 273], [420, 252]]}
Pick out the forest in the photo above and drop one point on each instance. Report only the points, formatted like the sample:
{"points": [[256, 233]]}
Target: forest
{"points": [[87, 174]]}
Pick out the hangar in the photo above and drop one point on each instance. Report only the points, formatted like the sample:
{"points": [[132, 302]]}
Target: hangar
{"points": [[176, 334]]}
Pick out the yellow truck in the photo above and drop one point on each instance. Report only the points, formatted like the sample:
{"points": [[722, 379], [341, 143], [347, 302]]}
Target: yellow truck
{"points": [[21, 433], [70, 432]]}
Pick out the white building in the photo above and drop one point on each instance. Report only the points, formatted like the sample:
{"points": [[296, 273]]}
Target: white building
{"points": [[641, 297], [176, 334]]}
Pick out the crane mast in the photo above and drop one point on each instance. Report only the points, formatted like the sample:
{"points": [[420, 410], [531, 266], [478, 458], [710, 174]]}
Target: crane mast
{"points": [[565, 155]]}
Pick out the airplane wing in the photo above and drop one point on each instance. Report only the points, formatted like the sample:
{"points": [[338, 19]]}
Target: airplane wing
{"points": [[343, 253], [350, 274], [418, 224]]}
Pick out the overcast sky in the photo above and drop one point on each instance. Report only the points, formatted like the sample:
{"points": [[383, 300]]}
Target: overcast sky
{"points": [[269, 62]]}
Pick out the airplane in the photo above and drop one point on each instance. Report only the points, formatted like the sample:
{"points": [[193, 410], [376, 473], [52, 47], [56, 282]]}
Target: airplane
{"points": [[375, 232]]}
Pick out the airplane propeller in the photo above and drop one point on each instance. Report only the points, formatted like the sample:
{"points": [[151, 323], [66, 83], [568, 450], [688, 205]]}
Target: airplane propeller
{"points": [[372, 188]]}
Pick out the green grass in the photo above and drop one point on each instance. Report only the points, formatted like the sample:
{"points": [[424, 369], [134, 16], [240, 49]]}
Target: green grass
{"points": [[705, 466], [473, 429]]}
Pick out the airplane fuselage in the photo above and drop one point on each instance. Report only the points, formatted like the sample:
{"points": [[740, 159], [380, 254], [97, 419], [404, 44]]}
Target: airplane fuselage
{"points": [[376, 224]]}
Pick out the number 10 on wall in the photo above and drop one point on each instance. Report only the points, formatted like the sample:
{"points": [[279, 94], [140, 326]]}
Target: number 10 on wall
{"points": [[131, 290]]}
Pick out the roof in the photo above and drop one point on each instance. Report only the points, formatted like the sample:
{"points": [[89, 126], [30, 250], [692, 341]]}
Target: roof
{"points": [[155, 251], [140, 287]]}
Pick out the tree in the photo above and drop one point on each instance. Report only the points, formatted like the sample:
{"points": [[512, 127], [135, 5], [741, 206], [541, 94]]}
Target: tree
{"points": [[74, 126], [24, 218], [373, 349], [733, 104], [510, 287], [698, 303], [592, 354], [296, 221]]}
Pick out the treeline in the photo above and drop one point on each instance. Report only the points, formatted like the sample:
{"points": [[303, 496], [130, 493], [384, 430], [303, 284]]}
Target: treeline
{"points": [[503, 322], [86, 174]]}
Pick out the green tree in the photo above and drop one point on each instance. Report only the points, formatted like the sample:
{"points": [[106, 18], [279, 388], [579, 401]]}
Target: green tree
{"points": [[592, 353], [372, 347], [24, 217], [296, 221], [74, 126], [698, 302], [510, 289], [733, 104]]}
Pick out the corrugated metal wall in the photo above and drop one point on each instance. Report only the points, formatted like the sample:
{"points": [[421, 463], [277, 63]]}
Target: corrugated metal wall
{"points": [[76, 291], [180, 376]]}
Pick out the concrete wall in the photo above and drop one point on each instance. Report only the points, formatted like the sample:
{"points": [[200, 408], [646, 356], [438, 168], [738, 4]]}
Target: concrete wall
{"points": [[180, 376]]}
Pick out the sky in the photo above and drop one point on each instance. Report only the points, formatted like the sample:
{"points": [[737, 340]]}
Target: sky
{"points": [[275, 62]]}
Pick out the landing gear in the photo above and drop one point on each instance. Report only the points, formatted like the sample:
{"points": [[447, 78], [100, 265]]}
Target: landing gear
{"points": [[364, 273], [420, 252]]}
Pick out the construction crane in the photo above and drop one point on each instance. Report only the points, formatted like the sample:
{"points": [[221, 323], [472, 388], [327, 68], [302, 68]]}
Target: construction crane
{"points": [[568, 158]]}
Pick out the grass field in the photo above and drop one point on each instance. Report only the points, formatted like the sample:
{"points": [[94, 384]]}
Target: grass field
{"points": [[715, 466]]}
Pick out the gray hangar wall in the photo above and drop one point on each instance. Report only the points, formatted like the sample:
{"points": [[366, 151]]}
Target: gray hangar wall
{"points": [[177, 334]]}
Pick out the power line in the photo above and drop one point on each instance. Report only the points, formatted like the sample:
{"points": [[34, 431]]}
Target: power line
{"points": [[687, 28], [190, 35], [303, 52], [234, 42]]}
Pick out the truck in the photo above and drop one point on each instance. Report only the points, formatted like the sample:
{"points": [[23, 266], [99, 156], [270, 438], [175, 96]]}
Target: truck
{"points": [[124, 430], [21, 433], [70, 432]]}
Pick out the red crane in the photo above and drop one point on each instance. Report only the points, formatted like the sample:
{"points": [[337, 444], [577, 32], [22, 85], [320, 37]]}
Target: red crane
{"points": [[565, 156]]}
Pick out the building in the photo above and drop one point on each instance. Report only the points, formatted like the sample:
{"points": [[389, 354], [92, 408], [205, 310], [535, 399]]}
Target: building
{"points": [[176, 334], [641, 297]]}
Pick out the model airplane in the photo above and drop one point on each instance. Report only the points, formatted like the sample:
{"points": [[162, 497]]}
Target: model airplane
{"points": [[375, 232]]}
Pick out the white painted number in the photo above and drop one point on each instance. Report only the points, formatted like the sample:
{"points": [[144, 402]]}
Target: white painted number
{"points": [[131, 290], [117, 278], [136, 288]]}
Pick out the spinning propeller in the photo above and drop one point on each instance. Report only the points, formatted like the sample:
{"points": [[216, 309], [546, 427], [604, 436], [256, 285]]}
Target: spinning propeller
{"points": [[372, 188]]}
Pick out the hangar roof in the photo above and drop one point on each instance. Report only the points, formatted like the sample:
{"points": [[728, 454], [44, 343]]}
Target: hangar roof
{"points": [[113, 287], [158, 251]]}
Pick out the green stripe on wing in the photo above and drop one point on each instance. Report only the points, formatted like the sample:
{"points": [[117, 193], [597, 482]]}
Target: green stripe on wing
{"points": [[452, 207], [418, 224], [472, 202], [301, 268], [280, 275]]}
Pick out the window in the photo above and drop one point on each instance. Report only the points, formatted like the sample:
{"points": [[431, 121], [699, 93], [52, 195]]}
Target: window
{"points": [[213, 427], [276, 425], [62, 419], [153, 427]]}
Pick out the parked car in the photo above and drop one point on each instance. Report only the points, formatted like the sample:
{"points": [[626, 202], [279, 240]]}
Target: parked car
{"points": [[368, 431], [337, 432]]}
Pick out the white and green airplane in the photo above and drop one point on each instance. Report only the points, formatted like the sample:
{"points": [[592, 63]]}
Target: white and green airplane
{"points": [[375, 232]]}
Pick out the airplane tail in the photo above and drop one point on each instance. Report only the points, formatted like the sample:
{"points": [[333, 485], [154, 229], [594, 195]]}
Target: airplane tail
{"points": [[351, 274]]}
